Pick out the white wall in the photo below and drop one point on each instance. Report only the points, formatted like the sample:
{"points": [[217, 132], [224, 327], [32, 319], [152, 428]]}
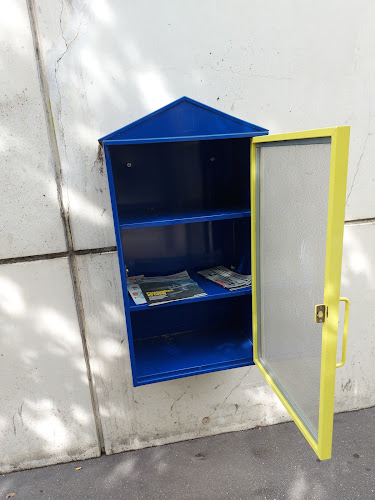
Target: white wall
{"points": [[30, 221], [46, 414], [285, 66]]}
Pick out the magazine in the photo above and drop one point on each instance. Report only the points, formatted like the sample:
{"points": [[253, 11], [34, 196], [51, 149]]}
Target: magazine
{"points": [[164, 289], [226, 278], [134, 289]]}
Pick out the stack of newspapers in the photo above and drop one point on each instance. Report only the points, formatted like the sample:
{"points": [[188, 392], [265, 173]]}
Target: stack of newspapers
{"points": [[226, 278], [162, 289]]}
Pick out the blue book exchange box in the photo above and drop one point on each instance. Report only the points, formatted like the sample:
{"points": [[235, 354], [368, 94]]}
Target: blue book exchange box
{"points": [[193, 188]]}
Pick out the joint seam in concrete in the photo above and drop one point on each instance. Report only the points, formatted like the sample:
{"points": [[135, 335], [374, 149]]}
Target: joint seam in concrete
{"points": [[95, 250], [360, 221], [57, 255], [70, 253]]}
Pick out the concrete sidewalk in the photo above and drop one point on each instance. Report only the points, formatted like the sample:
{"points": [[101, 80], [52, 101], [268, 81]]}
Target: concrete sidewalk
{"points": [[270, 463]]}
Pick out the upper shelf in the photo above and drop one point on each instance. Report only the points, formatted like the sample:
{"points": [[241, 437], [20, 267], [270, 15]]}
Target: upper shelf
{"points": [[137, 221]]}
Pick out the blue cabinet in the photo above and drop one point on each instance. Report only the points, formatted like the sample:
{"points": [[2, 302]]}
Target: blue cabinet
{"points": [[180, 189]]}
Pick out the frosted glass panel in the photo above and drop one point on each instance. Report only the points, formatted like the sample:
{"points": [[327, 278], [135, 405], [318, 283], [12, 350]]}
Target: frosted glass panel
{"points": [[292, 202]]}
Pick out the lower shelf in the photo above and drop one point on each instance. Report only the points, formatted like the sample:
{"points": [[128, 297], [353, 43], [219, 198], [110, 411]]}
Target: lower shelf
{"points": [[190, 353]]}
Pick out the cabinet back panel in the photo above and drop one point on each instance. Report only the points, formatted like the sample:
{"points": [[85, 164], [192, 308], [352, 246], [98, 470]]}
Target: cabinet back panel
{"points": [[162, 250], [154, 179], [220, 314]]}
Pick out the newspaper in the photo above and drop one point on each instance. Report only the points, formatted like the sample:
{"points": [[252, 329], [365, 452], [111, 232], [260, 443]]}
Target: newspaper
{"points": [[226, 278], [134, 289], [164, 289]]}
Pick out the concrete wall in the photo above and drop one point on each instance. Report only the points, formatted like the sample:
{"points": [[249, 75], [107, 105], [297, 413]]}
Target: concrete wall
{"points": [[46, 412], [65, 369]]}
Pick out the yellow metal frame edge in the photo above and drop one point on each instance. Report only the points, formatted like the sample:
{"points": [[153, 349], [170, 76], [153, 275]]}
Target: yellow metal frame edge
{"points": [[335, 226], [291, 136], [332, 281]]}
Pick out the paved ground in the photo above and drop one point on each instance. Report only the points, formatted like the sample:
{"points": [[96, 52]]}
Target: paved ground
{"points": [[270, 463]]}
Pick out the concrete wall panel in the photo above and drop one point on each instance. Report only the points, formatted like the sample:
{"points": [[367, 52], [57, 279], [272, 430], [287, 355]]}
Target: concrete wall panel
{"points": [[46, 413], [30, 221], [355, 381]]}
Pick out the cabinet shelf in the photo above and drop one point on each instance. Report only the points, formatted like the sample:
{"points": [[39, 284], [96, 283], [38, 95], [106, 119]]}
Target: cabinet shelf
{"points": [[167, 357], [212, 290], [137, 221]]}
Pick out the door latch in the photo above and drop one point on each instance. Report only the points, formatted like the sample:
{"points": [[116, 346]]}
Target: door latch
{"points": [[320, 313]]}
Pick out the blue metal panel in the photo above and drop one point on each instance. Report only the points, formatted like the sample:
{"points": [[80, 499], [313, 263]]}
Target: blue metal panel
{"points": [[190, 316], [180, 139], [161, 180], [120, 258], [162, 250], [201, 351], [192, 338], [138, 221], [184, 120]]}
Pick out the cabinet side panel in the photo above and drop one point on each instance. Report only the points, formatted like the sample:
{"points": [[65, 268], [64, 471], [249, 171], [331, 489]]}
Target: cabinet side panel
{"points": [[120, 257]]}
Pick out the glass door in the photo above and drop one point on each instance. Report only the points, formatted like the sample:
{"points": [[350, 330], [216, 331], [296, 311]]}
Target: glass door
{"points": [[298, 184]]}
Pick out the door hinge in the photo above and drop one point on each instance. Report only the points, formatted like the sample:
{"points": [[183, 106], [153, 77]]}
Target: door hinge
{"points": [[320, 313]]}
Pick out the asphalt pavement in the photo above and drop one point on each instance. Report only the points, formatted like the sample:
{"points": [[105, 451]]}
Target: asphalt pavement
{"points": [[269, 463]]}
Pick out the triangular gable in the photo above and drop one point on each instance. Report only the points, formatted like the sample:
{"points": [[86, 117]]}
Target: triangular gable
{"points": [[184, 119]]}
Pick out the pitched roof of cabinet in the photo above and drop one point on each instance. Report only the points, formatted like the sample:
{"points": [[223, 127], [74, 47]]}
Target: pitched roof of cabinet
{"points": [[183, 120]]}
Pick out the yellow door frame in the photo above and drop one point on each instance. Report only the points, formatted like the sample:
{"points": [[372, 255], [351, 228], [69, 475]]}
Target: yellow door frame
{"points": [[335, 228]]}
